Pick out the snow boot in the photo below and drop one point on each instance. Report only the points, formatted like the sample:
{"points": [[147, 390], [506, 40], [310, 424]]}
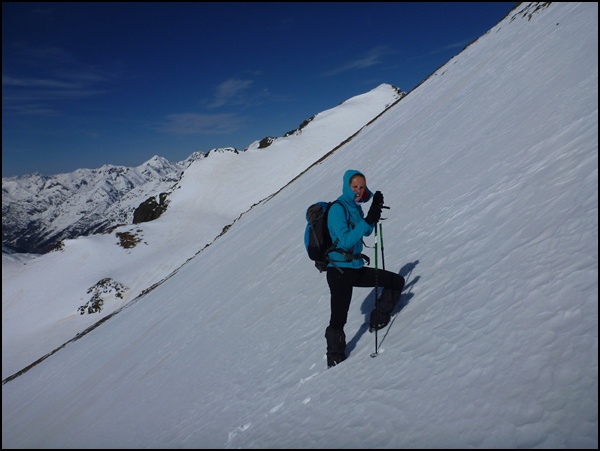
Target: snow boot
{"points": [[336, 346], [384, 306], [378, 320]]}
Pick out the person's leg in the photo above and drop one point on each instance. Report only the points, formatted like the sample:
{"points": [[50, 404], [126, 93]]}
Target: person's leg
{"points": [[391, 285], [340, 286], [336, 346]]}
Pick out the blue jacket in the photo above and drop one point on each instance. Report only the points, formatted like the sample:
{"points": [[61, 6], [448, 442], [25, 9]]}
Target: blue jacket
{"points": [[349, 235]]}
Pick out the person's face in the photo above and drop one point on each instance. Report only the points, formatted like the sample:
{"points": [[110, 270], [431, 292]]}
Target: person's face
{"points": [[358, 185]]}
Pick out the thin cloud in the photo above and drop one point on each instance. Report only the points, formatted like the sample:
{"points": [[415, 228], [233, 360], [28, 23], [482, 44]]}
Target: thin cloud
{"points": [[42, 96], [457, 45], [230, 93], [41, 56], [54, 76], [372, 58], [39, 83], [201, 124]]}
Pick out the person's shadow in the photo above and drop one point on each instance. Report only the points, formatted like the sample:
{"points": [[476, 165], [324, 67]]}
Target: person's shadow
{"points": [[369, 303]]}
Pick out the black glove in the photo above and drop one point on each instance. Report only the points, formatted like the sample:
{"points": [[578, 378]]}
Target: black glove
{"points": [[378, 198], [374, 214]]}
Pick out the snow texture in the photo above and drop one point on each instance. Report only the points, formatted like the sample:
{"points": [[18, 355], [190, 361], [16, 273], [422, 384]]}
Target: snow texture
{"points": [[490, 170]]}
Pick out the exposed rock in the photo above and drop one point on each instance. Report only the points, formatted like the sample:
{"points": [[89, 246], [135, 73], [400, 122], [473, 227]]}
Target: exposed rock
{"points": [[150, 209]]}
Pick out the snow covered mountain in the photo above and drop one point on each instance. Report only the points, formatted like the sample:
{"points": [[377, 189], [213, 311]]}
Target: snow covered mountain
{"points": [[206, 200], [211, 332], [40, 211]]}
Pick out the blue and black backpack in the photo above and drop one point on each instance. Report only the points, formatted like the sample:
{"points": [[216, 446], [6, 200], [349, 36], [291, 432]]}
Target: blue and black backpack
{"points": [[317, 239]]}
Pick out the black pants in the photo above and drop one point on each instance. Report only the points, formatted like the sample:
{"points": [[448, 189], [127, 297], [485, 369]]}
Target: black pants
{"points": [[340, 286]]}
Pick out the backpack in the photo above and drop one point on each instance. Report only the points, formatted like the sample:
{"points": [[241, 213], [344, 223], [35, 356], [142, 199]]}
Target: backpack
{"points": [[317, 239]]}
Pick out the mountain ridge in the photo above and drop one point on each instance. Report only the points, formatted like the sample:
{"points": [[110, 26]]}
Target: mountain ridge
{"points": [[40, 211]]}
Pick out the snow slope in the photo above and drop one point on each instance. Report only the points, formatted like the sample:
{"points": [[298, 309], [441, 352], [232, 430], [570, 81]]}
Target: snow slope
{"points": [[490, 168], [212, 193]]}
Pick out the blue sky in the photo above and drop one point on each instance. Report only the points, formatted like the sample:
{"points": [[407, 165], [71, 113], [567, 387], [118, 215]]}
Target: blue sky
{"points": [[88, 84]]}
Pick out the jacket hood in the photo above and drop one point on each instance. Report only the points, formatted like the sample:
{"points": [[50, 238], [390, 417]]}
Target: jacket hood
{"points": [[347, 193]]}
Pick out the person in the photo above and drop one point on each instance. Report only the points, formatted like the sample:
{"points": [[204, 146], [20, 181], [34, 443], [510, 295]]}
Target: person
{"points": [[348, 225]]}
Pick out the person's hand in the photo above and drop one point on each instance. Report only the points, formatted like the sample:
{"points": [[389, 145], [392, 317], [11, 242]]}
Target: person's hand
{"points": [[378, 198], [374, 214]]}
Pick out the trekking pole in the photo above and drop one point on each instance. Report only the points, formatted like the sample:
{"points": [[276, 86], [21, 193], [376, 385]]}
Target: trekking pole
{"points": [[376, 289], [382, 254]]}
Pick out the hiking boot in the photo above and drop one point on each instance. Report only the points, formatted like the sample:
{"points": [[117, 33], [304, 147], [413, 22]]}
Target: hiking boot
{"points": [[333, 360], [378, 320], [336, 346]]}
